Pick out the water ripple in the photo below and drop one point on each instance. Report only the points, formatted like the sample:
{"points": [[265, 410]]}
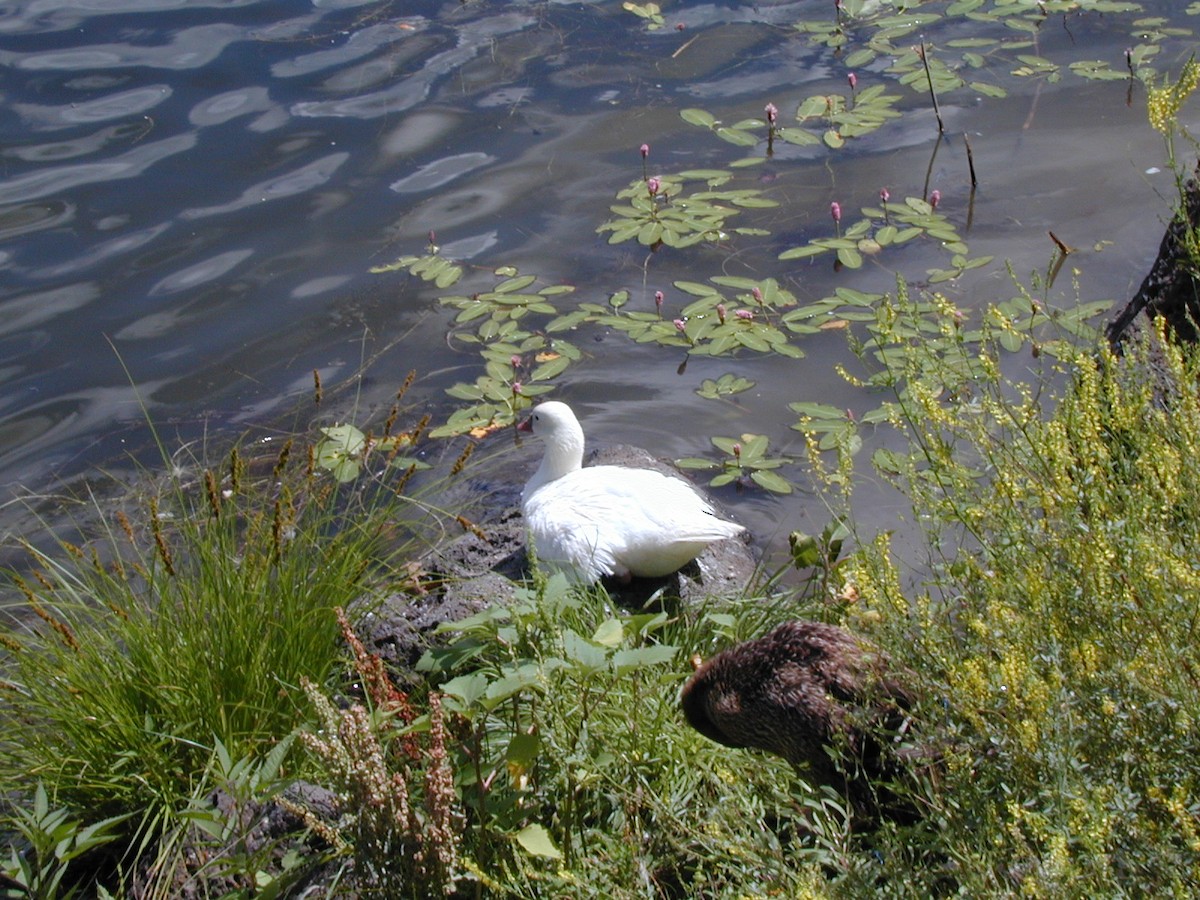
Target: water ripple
{"points": [[229, 105], [201, 272], [31, 310], [113, 106], [441, 171], [360, 43], [303, 179], [190, 48], [58, 15], [100, 253], [43, 182]]}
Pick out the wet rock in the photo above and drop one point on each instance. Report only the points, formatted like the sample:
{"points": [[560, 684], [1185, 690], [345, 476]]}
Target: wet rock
{"points": [[1170, 289], [480, 568]]}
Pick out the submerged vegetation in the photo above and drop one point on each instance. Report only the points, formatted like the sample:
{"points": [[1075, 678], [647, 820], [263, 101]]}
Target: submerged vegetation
{"points": [[188, 669]]}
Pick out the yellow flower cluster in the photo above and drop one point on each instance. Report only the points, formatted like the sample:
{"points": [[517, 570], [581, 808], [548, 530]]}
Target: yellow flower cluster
{"points": [[1163, 103]]}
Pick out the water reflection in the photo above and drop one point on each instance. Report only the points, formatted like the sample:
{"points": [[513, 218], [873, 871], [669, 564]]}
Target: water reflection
{"points": [[131, 164], [207, 184]]}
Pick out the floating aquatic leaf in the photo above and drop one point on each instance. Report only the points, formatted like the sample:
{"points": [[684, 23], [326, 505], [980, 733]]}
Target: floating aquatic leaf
{"points": [[727, 385]]}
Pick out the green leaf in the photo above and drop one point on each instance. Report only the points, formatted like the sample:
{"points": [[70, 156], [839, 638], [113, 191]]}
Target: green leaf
{"points": [[753, 341], [536, 841], [771, 481], [850, 258], [737, 137], [643, 657], [802, 252], [818, 410], [550, 369], [587, 655], [525, 676], [514, 284], [522, 751], [698, 117], [988, 90], [805, 550], [466, 688], [346, 438], [610, 633]]}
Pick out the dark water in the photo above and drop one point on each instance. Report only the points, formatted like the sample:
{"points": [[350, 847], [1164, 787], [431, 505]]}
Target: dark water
{"points": [[191, 195]]}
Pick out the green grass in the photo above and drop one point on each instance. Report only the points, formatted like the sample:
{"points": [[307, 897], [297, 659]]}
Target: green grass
{"points": [[182, 633]]}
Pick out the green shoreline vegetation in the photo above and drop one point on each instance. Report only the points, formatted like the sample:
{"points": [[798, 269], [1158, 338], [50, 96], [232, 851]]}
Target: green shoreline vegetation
{"points": [[208, 644]]}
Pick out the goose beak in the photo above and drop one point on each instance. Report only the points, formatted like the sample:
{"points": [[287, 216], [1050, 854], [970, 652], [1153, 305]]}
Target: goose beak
{"points": [[527, 425]]}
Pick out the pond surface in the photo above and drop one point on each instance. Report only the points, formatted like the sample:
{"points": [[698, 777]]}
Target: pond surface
{"points": [[192, 195]]}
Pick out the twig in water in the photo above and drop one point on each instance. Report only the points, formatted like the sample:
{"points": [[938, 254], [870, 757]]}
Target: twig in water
{"points": [[970, 161], [685, 45], [1062, 248], [932, 94]]}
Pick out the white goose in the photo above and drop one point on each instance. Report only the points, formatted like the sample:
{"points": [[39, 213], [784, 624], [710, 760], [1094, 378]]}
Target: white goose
{"points": [[609, 520]]}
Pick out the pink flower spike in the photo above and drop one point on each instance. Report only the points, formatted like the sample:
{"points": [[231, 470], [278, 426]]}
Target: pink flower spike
{"points": [[516, 387], [744, 314], [884, 195], [658, 299], [756, 294], [645, 150], [772, 113], [679, 26], [680, 325], [852, 80], [652, 185], [516, 361], [835, 210], [737, 450], [935, 198], [721, 312]]}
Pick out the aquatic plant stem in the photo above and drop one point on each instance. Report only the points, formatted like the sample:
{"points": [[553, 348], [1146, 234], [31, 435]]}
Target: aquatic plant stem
{"points": [[932, 93], [970, 160]]}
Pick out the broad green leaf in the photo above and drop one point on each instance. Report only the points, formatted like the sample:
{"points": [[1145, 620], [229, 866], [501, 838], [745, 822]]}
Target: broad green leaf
{"points": [[818, 410], [771, 481], [643, 657], [850, 258], [802, 252], [579, 650], [466, 688], [610, 633], [698, 117], [536, 841]]}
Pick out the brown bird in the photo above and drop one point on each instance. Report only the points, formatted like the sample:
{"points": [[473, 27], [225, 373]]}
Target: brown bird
{"points": [[815, 694]]}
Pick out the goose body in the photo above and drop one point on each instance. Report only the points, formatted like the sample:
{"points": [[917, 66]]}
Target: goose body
{"points": [[609, 520]]}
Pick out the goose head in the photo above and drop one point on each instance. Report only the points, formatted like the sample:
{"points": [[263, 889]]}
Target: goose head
{"points": [[558, 429]]}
